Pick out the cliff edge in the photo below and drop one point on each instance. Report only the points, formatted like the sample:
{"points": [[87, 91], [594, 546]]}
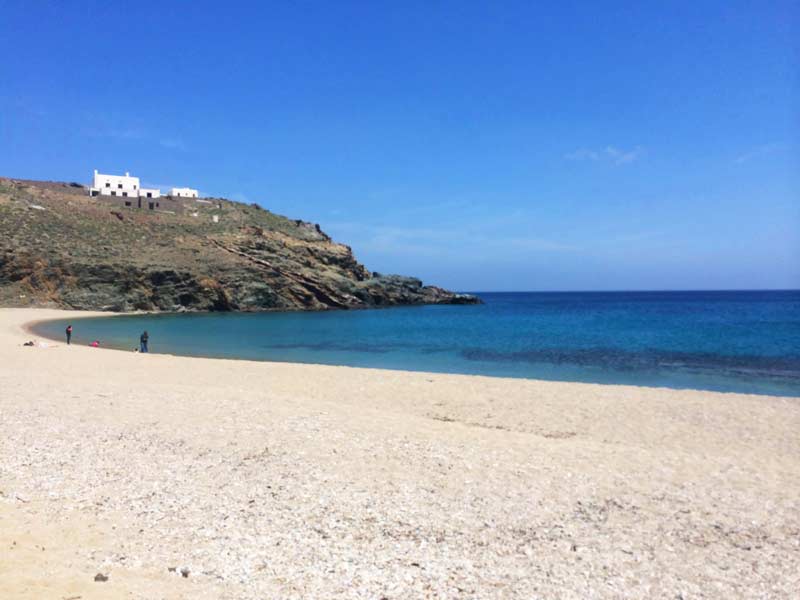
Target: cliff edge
{"points": [[61, 248]]}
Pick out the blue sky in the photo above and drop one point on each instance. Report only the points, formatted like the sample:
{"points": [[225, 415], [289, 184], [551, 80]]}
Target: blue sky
{"points": [[478, 145]]}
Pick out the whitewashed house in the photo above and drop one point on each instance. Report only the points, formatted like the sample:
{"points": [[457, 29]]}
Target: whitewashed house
{"points": [[129, 187], [128, 193], [183, 193], [114, 185], [120, 185], [149, 193]]}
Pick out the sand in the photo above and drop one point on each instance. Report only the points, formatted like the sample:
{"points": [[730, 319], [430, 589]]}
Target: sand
{"points": [[267, 480]]}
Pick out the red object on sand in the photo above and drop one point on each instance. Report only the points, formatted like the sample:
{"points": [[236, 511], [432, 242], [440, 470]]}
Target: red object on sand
{"points": [[95, 344]]}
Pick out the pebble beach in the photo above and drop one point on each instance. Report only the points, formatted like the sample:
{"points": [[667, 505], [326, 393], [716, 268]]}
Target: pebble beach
{"points": [[125, 475]]}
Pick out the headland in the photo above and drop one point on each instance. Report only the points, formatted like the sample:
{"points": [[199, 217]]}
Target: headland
{"points": [[60, 247]]}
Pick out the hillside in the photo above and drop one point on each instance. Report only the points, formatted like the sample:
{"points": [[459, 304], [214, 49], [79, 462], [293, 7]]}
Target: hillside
{"points": [[61, 248]]}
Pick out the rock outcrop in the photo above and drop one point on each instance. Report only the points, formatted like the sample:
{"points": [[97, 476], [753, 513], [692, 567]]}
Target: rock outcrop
{"points": [[59, 247]]}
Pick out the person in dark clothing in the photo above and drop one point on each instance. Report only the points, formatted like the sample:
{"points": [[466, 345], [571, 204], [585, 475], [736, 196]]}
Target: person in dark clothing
{"points": [[143, 342], [69, 334]]}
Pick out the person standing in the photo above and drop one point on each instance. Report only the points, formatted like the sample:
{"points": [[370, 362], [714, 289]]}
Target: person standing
{"points": [[143, 339], [69, 334]]}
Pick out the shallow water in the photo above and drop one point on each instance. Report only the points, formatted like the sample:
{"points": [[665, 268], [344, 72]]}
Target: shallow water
{"points": [[725, 341]]}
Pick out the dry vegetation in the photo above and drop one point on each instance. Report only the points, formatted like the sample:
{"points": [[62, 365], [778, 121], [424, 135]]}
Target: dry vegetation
{"points": [[61, 247]]}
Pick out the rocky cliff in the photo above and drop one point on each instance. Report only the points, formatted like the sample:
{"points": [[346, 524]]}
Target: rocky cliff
{"points": [[60, 247]]}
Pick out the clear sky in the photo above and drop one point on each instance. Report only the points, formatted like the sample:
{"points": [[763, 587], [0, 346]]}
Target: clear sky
{"points": [[478, 145]]}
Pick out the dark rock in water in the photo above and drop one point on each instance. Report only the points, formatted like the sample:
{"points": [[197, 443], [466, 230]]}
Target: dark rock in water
{"points": [[79, 254], [465, 299], [101, 577], [388, 290]]}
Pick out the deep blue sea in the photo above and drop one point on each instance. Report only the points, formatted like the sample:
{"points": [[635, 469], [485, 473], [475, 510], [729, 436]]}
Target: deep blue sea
{"points": [[727, 341]]}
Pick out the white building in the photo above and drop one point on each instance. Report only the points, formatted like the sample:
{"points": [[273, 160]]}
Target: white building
{"points": [[183, 192], [115, 185], [127, 186], [149, 193]]}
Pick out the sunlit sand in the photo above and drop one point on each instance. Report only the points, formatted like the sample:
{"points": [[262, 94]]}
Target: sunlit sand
{"points": [[263, 480]]}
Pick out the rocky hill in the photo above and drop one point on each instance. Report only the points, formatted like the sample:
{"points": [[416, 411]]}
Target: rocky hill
{"points": [[60, 247]]}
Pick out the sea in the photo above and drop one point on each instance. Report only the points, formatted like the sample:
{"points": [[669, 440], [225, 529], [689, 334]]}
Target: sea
{"points": [[728, 341]]}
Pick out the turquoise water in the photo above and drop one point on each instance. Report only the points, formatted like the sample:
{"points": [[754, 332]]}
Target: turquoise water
{"points": [[725, 341]]}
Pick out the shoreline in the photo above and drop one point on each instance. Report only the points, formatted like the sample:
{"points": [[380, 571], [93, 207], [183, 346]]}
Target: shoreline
{"points": [[28, 327], [268, 479], [60, 314]]}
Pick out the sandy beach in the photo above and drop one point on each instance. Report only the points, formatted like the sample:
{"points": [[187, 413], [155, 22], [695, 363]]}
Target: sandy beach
{"points": [[201, 478]]}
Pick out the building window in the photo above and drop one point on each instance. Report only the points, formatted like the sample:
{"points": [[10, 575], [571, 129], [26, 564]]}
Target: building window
{"points": [[119, 186], [134, 187], [125, 194], [108, 184], [150, 205], [127, 202], [157, 205], [149, 194], [113, 193]]}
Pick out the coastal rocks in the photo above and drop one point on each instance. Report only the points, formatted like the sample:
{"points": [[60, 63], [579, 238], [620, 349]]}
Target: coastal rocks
{"points": [[388, 290], [82, 256]]}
